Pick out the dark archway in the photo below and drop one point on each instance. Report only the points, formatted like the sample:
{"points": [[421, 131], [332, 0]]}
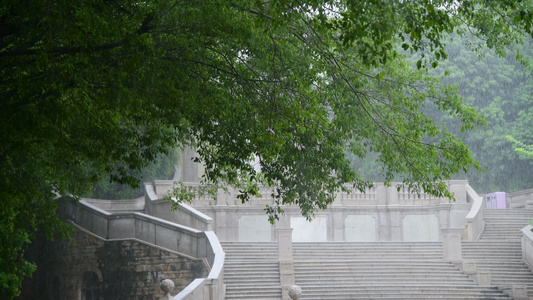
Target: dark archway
{"points": [[91, 286]]}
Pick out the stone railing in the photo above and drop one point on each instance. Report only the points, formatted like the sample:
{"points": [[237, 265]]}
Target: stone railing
{"points": [[184, 240], [212, 287], [183, 214], [527, 245], [379, 195], [118, 205], [475, 222], [520, 199]]}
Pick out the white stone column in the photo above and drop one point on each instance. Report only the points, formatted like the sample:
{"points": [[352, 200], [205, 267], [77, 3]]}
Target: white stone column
{"points": [[451, 243], [285, 244], [382, 196], [458, 188], [189, 167], [225, 198], [338, 199], [337, 222], [286, 261], [392, 195]]}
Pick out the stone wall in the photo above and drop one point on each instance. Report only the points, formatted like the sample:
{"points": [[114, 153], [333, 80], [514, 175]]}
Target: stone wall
{"points": [[126, 269], [364, 223]]}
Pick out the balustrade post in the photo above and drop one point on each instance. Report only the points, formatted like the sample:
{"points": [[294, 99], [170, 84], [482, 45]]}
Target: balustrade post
{"points": [[286, 261], [451, 243], [382, 195]]}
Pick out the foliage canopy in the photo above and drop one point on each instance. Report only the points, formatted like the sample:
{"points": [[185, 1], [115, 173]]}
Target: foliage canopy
{"points": [[523, 149], [103, 86], [502, 90]]}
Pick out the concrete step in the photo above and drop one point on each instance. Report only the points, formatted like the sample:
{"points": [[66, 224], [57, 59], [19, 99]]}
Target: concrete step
{"points": [[499, 248], [385, 270], [399, 291], [251, 271]]}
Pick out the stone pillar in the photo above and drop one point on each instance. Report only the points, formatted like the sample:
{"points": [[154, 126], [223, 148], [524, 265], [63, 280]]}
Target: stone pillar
{"points": [[392, 195], [337, 222], [226, 198], [458, 188], [451, 243], [395, 225], [386, 222], [286, 261], [221, 226], [382, 195], [469, 267], [517, 292], [189, 167], [484, 278], [283, 222], [338, 199], [444, 216]]}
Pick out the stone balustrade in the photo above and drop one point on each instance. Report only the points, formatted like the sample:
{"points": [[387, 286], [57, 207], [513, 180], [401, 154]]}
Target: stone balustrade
{"points": [[520, 199], [527, 245], [212, 287], [378, 195], [474, 219], [184, 214], [136, 225], [184, 240]]}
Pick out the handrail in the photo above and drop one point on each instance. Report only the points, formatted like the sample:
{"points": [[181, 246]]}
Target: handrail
{"points": [[130, 225], [183, 240], [520, 199], [403, 196], [527, 245], [212, 287], [475, 222], [183, 214]]}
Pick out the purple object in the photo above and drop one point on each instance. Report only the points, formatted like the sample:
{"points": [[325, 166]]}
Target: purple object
{"points": [[495, 200]]}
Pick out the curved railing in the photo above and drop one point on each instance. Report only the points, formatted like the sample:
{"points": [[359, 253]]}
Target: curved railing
{"points": [[186, 241], [475, 222], [212, 287], [183, 214]]}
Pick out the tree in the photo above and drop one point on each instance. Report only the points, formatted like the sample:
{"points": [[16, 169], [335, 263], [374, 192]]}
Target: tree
{"points": [[103, 86], [162, 168], [524, 150], [501, 89]]}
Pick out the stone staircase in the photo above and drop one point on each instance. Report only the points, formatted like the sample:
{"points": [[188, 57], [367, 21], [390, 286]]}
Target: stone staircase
{"points": [[395, 270], [251, 271], [499, 248], [386, 270]]}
